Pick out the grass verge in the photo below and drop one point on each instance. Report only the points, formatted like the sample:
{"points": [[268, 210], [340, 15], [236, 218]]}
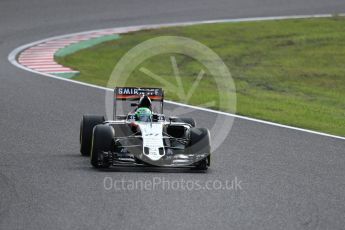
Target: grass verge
{"points": [[287, 71]]}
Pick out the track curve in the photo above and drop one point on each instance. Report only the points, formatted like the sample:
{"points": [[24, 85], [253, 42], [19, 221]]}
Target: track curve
{"points": [[290, 180]]}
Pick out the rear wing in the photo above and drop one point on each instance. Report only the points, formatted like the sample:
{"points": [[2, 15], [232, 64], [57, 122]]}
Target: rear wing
{"points": [[134, 93], [125, 96]]}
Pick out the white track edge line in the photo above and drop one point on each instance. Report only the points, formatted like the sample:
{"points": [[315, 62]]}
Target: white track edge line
{"points": [[12, 59]]}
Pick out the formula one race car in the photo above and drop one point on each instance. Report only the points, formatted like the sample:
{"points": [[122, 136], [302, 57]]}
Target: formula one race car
{"points": [[140, 134]]}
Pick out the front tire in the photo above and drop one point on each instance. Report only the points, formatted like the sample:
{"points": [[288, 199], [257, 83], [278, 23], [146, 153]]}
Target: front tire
{"points": [[87, 124], [200, 143], [102, 141]]}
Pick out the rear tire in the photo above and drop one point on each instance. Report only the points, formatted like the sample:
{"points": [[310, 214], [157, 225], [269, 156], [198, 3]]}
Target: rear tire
{"points": [[200, 143], [102, 141], [87, 124]]}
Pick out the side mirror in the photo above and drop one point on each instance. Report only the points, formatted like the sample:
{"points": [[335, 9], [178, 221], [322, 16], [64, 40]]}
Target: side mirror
{"points": [[134, 104]]}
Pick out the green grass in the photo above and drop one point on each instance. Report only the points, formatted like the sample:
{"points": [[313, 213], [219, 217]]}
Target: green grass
{"points": [[289, 71]]}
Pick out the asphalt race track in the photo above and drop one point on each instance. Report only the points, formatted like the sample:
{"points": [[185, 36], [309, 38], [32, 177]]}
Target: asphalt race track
{"points": [[288, 179]]}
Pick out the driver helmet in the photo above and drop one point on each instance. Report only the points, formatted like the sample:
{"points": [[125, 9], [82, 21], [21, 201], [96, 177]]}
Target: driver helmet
{"points": [[143, 114]]}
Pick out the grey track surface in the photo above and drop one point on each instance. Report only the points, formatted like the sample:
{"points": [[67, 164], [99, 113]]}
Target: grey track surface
{"points": [[290, 179]]}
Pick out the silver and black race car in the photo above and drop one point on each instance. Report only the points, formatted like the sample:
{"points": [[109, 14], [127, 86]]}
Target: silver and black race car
{"points": [[141, 135]]}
